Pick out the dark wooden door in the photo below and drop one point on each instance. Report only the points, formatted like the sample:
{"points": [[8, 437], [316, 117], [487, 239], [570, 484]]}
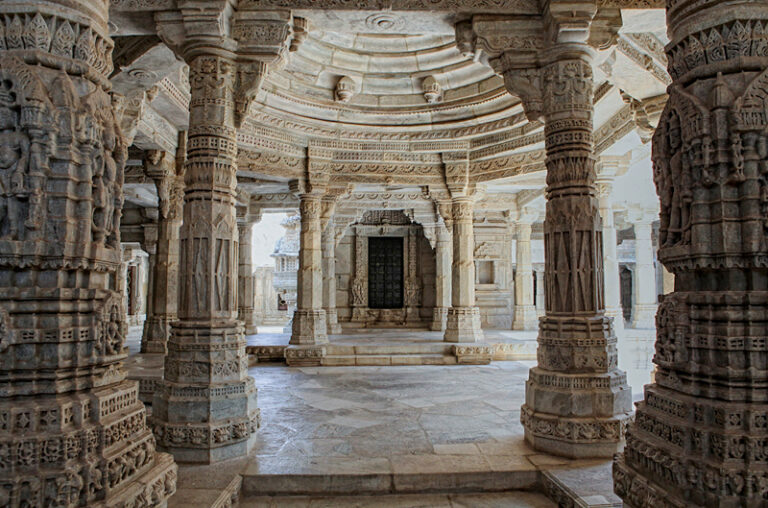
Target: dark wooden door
{"points": [[385, 272]]}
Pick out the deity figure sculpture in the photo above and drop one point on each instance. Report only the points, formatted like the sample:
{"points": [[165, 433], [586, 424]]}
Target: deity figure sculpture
{"points": [[14, 161]]}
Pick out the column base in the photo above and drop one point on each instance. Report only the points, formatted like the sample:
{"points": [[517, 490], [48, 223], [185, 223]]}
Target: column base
{"points": [[332, 320], [309, 328], [85, 448], [439, 318], [463, 325], [644, 316], [204, 410], [206, 424], [525, 318], [576, 415], [157, 329]]}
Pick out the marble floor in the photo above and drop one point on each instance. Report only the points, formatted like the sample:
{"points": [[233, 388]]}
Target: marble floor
{"points": [[406, 436]]}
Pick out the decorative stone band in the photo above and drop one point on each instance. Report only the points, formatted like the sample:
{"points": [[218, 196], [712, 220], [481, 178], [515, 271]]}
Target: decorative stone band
{"points": [[205, 435], [637, 491], [614, 380], [574, 430], [304, 355], [474, 354], [182, 391], [51, 40]]}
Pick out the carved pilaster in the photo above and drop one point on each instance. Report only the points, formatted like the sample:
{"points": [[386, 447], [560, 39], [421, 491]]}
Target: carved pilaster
{"points": [[329, 280], [698, 434], [360, 279], [205, 409], [63, 392]]}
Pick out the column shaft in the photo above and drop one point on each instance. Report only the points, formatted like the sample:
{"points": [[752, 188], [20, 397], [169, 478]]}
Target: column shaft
{"points": [[443, 261], [463, 321], [163, 290], [611, 262], [644, 303], [246, 310], [525, 309], [63, 392], [309, 320], [329, 280], [205, 410]]}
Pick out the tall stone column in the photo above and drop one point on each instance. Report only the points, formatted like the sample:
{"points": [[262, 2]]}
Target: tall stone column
{"points": [[525, 308], [644, 302], [167, 173], [443, 261], [698, 436], [577, 401], [246, 299], [309, 324], [610, 258], [205, 409], [63, 392], [329, 280], [463, 320]]}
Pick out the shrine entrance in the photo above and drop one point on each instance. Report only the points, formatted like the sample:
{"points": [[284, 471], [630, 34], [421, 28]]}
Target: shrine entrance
{"points": [[385, 272]]}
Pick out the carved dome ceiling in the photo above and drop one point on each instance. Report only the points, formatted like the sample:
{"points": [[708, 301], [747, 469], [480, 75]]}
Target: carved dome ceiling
{"points": [[386, 77]]}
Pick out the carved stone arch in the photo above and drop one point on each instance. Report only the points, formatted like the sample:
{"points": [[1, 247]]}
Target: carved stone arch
{"points": [[749, 109], [28, 87]]}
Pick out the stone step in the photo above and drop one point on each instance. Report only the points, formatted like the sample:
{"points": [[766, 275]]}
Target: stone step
{"points": [[410, 480], [516, 499], [380, 360]]}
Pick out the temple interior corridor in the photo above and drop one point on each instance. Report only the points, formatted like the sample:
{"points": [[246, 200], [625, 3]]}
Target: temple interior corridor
{"points": [[396, 253]]}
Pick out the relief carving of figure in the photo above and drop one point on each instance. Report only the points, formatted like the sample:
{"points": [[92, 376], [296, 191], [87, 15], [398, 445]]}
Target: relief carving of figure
{"points": [[14, 159]]}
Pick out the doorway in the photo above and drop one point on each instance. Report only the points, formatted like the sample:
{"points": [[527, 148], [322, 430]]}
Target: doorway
{"points": [[385, 272]]}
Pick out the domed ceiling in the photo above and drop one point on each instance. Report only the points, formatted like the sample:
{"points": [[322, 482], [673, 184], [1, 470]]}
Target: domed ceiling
{"points": [[410, 82]]}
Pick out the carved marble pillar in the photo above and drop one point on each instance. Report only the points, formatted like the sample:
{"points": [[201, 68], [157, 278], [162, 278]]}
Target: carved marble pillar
{"points": [[577, 401], [525, 308], [463, 320], [309, 320], [205, 409], [698, 437], [610, 259], [246, 299], [644, 302], [63, 392], [443, 259], [329, 280], [163, 294]]}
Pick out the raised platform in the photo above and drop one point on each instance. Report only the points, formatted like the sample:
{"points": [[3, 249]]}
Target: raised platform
{"points": [[399, 346]]}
